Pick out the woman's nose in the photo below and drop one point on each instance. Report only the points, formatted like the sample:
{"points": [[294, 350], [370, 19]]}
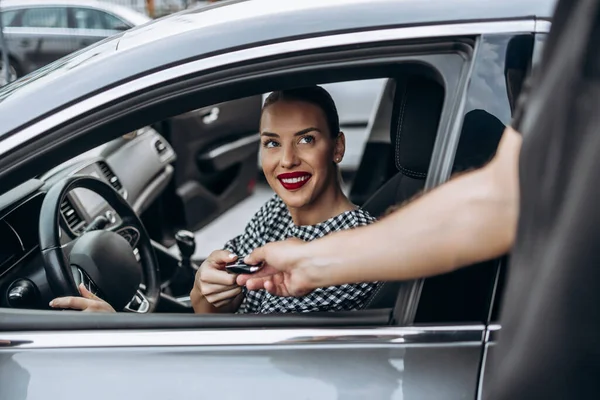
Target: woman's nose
{"points": [[289, 158]]}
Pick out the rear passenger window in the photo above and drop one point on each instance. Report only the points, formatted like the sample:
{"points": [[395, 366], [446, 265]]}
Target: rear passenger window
{"points": [[50, 17], [113, 23], [87, 18]]}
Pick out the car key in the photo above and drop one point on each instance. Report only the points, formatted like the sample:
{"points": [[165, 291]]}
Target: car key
{"points": [[240, 267]]}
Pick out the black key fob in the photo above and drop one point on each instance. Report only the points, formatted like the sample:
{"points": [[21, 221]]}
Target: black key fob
{"points": [[240, 267]]}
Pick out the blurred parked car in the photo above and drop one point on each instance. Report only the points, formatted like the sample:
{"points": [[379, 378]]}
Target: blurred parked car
{"points": [[41, 31]]}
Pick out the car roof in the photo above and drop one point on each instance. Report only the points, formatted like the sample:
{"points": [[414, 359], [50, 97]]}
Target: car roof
{"points": [[127, 13], [229, 25]]}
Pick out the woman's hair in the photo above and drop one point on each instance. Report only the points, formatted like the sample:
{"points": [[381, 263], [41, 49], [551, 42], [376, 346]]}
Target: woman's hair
{"points": [[314, 95]]}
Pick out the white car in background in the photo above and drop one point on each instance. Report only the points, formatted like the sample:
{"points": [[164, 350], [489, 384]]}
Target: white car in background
{"points": [[38, 32]]}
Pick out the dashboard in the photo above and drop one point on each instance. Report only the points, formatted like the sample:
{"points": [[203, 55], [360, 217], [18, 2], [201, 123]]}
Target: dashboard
{"points": [[138, 166]]}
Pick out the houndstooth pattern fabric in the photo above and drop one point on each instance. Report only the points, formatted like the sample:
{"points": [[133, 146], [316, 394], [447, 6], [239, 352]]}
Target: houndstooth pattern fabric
{"points": [[272, 223]]}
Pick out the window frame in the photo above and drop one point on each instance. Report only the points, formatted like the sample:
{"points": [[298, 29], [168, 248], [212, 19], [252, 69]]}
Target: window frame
{"points": [[76, 129]]}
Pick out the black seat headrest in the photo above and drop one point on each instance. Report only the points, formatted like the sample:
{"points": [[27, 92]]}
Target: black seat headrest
{"points": [[416, 114], [479, 139]]}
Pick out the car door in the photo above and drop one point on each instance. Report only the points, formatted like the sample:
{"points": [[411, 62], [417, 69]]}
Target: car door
{"points": [[266, 363], [40, 35], [90, 25]]}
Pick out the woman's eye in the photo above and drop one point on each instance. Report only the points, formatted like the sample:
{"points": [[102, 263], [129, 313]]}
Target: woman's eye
{"points": [[270, 144], [307, 139]]}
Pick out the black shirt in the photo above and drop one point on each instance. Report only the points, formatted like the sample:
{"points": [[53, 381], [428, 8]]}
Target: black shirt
{"points": [[549, 344]]}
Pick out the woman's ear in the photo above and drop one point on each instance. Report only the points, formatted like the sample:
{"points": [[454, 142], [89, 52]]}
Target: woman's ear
{"points": [[340, 148]]}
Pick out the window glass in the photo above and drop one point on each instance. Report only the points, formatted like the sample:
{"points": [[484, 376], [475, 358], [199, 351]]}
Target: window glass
{"points": [[45, 17], [109, 21], [8, 17], [88, 18], [466, 295]]}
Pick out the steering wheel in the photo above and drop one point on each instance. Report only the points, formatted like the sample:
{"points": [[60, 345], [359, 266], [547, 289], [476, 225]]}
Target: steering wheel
{"points": [[102, 259]]}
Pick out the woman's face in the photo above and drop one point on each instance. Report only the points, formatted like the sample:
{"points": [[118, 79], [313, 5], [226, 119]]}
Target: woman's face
{"points": [[298, 154]]}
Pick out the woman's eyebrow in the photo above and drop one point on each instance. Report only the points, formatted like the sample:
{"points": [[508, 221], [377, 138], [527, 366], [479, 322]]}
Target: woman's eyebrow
{"points": [[304, 131], [299, 133]]}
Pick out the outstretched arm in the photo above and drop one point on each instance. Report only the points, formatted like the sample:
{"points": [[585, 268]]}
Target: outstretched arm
{"points": [[470, 219]]}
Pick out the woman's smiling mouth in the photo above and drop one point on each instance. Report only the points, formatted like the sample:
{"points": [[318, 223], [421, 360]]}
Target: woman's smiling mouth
{"points": [[294, 180]]}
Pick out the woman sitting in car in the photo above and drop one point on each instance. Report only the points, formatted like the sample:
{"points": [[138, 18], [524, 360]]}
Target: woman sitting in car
{"points": [[301, 145]]}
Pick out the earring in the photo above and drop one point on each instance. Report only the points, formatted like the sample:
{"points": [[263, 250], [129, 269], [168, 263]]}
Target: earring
{"points": [[338, 159]]}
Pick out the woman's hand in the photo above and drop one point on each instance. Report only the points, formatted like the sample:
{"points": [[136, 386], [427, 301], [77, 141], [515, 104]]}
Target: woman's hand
{"points": [[215, 290], [88, 303]]}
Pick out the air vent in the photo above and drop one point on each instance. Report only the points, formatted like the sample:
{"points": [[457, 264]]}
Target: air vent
{"points": [[160, 147], [71, 216], [110, 176]]}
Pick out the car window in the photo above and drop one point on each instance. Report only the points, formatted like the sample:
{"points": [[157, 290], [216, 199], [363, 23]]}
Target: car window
{"points": [[8, 17], [466, 295], [111, 22], [88, 18], [45, 17]]}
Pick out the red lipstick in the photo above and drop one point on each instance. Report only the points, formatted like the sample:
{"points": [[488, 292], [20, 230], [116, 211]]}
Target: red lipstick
{"points": [[294, 180]]}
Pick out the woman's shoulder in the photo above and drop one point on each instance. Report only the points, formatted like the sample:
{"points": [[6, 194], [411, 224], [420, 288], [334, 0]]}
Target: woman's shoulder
{"points": [[350, 219], [360, 217]]}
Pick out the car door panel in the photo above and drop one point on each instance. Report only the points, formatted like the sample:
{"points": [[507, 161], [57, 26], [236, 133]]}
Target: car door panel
{"points": [[217, 158], [386, 363]]}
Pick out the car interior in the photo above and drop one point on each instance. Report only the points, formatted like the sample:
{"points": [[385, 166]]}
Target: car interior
{"points": [[182, 162]]}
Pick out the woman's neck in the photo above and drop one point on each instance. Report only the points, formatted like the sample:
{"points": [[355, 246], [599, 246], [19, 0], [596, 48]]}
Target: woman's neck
{"points": [[331, 203]]}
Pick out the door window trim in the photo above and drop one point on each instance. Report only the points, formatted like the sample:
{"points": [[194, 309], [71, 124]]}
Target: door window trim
{"points": [[469, 334], [59, 117]]}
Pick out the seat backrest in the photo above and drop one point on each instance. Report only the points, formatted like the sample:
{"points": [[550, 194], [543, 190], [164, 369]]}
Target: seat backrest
{"points": [[417, 110], [415, 117], [416, 113]]}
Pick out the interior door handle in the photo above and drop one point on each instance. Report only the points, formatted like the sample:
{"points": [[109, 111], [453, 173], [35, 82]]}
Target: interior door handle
{"points": [[210, 116], [25, 43]]}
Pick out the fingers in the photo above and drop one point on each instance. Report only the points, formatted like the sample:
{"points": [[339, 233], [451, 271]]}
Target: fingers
{"points": [[219, 258], [257, 283], [210, 274], [217, 286], [263, 272], [71, 302], [256, 257], [225, 298]]}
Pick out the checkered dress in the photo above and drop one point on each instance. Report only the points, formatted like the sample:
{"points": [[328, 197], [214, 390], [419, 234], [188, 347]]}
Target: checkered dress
{"points": [[272, 223]]}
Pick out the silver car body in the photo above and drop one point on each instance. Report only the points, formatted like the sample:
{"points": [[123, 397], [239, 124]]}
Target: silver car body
{"points": [[204, 357]]}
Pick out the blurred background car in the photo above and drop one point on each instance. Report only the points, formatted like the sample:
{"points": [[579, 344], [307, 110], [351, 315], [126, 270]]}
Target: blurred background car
{"points": [[38, 32]]}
